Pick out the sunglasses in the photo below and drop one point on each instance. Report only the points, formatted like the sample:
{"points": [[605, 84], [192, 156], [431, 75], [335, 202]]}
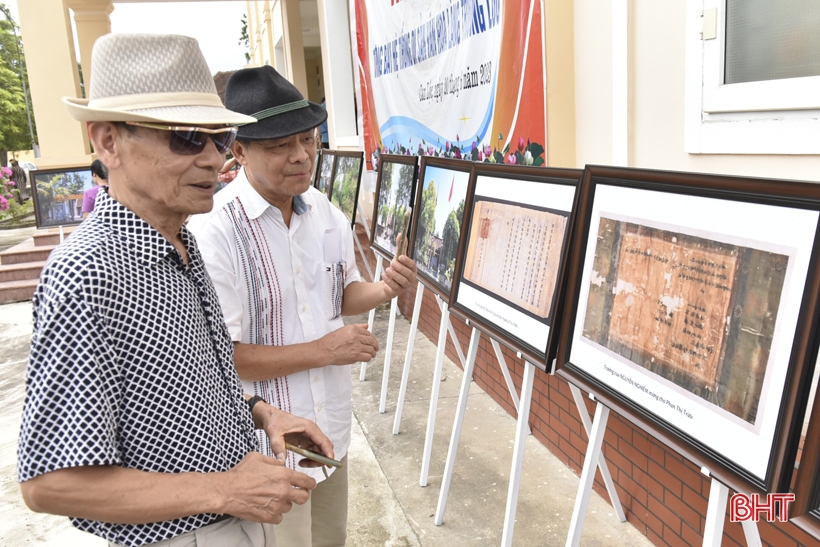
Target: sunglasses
{"points": [[189, 141]]}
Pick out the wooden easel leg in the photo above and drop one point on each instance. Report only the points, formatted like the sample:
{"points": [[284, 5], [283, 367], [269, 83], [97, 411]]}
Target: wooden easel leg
{"points": [[715, 514], [579, 512], [408, 357], [522, 430], [388, 352], [372, 316], [469, 365], [431, 416], [602, 465]]}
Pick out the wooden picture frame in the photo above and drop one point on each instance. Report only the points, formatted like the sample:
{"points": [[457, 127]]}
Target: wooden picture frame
{"points": [[511, 261], [324, 172], [347, 178], [58, 194], [691, 310], [426, 242], [395, 196]]}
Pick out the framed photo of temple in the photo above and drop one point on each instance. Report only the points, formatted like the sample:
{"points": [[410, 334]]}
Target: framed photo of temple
{"points": [[395, 187], [691, 301], [58, 195], [347, 176], [510, 268], [324, 171], [438, 217]]}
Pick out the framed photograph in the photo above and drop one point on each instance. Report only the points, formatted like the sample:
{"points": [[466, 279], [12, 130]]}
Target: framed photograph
{"points": [[438, 217], [692, 310], [58, 195], [324, 171], [511, 259], [347, 176], [395, 191], [805, 511]]}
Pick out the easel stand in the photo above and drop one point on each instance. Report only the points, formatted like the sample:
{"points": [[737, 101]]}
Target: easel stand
{"points": [[444, 327], [716, 516], [372, 316], [594, 459], [388, 351], [359, 243], [408, 357], [522, 430]]}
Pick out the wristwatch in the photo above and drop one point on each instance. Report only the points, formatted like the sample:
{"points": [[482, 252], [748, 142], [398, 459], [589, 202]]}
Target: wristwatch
{"points": [[252, 402]]}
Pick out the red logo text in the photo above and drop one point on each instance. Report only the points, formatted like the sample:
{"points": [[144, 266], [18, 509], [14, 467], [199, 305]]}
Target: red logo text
{"points": [[743, 507]]}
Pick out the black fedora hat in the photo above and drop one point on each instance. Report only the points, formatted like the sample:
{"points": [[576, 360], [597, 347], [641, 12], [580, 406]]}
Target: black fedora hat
{"points": [[266, 95]]}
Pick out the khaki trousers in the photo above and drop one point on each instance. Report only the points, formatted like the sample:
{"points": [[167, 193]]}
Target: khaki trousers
{"points": [[322, 521], [231, 532]]}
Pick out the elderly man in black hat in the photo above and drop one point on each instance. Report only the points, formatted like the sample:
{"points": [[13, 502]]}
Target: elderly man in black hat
{"points": [[134, 421], [281, 257]]}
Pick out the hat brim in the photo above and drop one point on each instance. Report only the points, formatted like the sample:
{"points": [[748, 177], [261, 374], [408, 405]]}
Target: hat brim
{"points": [[285, 124], [195, 114]]}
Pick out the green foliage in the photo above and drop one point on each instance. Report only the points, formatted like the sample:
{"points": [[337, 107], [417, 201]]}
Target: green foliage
{"points": [[426, 223], [17, 211], [450, 234], [244, 39], [14, 133]]}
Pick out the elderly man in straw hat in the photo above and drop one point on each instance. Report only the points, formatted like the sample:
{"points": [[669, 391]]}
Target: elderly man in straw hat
{"points": [[135, 424], [281, 257]]}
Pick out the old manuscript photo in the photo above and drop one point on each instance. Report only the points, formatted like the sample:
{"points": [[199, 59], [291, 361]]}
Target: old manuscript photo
{"points": [[698, 312], [514, 252]]}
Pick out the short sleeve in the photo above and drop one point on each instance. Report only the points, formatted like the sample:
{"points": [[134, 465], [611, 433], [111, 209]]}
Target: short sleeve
{"points": [[88, 200], [217, 250], [73, 393]]}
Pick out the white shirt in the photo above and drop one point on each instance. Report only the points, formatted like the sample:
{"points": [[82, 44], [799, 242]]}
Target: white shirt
{"points": [[276, 286]]}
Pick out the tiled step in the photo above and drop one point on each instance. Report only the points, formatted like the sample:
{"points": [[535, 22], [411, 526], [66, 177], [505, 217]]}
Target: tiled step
{"points": [[19, 272], [17, 291], [25, 252], [51, 236]]}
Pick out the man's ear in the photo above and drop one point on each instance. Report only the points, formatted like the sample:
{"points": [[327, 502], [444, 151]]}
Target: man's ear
{"points": [[106, 140], [240, 152]]}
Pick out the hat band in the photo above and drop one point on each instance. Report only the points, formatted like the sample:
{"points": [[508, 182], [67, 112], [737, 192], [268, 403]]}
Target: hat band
{"points": [[281, 109], [139, 101]]}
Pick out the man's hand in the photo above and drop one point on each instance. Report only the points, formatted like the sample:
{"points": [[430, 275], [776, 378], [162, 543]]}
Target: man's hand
{"points": [[399, 276], [260, 489], [347, 345], [281, 426]]}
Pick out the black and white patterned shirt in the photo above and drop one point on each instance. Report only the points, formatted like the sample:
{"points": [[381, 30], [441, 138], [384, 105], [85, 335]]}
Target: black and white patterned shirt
{"points": [[131, 365]]}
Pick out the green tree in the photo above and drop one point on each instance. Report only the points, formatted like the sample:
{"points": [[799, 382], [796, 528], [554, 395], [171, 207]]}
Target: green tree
{"points": [[14, 133], [449, 236], [244, 39], [426, 225], [384, 195]]}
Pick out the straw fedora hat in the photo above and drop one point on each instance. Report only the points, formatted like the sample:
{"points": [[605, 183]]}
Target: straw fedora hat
{"points": [[266, 95], [151, 78]]}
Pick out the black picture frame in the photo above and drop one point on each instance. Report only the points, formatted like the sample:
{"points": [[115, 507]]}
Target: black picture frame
{"points": [[427, 260], [722, 242], [385, 222], [324, 171], [347, 178], [58, 195], [519, 306]]}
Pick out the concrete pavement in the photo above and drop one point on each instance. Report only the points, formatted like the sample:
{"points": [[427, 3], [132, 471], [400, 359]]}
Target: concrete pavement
{"points": [[387, 505]]}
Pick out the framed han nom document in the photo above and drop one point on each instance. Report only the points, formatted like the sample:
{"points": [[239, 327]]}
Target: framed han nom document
{"points": [[438, 218], [395, 189], [686, 311], [510, 266], [324, 171], [347, 176]]}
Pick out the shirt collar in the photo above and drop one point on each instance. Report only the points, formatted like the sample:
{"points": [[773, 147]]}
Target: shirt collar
{"points": [[143, 239], [255, 205]]}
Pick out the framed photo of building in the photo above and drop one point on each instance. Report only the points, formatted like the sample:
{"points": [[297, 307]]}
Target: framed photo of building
{"points": [[511, 261], [347, 176], [324, 171], [395, 192], [58, 195], [438, 217], [690, 305]]}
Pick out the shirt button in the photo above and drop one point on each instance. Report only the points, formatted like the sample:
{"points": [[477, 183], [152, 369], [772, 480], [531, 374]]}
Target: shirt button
{"points": [[304, 308], [315, 378], [319, 408], [298, 271]]}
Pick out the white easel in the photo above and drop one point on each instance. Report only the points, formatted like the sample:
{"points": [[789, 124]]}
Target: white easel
{"points": [[716, 516], [411, 341], [522, 430]]}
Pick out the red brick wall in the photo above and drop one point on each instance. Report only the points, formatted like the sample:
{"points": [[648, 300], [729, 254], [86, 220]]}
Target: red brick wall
{"points": [[663, 495]]}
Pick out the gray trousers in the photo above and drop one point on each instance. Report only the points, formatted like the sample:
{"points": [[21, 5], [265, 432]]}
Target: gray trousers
{"points": [[231, 532]]}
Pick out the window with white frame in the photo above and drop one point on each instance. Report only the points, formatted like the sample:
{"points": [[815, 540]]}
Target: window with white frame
{"points": [[753, 77]]}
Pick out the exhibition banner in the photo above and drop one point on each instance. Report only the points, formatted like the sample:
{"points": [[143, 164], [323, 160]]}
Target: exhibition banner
{"points": [[459, 79]]}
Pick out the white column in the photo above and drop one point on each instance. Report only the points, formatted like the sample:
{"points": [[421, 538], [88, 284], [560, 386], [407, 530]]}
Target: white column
{"points": [[337, 66]]}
